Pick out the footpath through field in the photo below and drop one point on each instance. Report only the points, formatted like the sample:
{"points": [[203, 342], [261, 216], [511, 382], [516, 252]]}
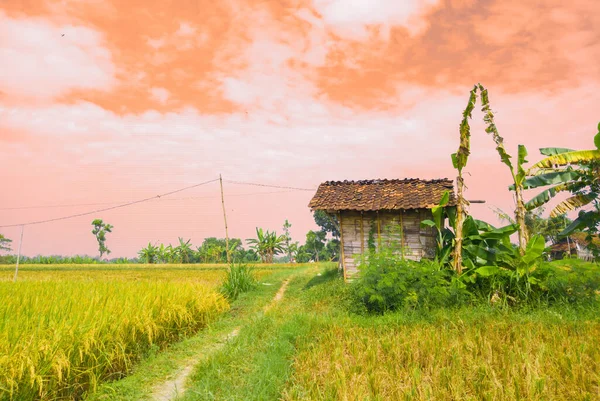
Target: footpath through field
{"points": [[163, 375]]}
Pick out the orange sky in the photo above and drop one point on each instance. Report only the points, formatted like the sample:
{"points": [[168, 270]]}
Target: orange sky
{"points": [[140, 98]]}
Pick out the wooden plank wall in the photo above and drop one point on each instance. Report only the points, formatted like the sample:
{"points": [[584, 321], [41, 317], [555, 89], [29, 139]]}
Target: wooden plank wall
{"points": [[393, 227]]}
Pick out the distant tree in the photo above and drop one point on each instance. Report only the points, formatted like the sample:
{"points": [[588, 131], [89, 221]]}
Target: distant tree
{"points": [[327, 222], [549, 228], [149, 254], [332, 250], [315, 244], [287, 245], [302, 255], [5, 243], [266, 244], [184, 250], [99, 231]]}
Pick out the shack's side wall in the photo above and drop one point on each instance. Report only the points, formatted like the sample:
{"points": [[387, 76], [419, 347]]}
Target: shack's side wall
{"points": [[387, 227]]}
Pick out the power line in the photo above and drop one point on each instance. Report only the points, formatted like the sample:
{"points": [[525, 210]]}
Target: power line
{"points": [[270, 186], [113, 203], [110, 208]]}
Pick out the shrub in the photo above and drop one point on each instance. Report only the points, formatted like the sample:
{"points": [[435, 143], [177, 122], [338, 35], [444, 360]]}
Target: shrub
{"points": [[388, 282], [239, 279]]}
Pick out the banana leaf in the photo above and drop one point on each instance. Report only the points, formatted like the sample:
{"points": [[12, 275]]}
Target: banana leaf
{"points": [[522, 154], [534, 251], [553, 178], [486, 271], [572, 203], [545, 196], [554, 151], [563, 159]]}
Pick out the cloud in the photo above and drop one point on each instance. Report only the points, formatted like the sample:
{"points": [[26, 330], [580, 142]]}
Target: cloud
{"points": [[185, 29], [161, 95], [351, 18], [38, 62]]}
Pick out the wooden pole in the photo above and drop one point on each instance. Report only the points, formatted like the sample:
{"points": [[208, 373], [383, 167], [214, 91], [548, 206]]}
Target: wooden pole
{"points": [[342, 246], [378, 231], [225, 219], [402, 233], [19, 254], [362, 235]]}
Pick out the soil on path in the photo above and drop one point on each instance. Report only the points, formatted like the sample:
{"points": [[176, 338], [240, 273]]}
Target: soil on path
{"points": [[175, 387]]}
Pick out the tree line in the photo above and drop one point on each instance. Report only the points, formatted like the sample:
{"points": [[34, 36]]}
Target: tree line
{"points": [[266, 247]]}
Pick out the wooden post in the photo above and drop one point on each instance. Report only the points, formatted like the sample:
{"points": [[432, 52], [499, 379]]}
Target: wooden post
{"points": [[402, 233], [342, 247], [225, 218], [19, 254], [378, 231], [362, 235]]}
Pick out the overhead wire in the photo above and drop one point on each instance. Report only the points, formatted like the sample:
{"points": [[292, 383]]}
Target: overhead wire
{"points": [[270, 186], [113, 203], [109, 208]]}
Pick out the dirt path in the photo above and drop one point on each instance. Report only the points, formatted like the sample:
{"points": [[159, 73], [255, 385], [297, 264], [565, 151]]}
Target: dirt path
{"points": [[279, 296], [175, 387]]}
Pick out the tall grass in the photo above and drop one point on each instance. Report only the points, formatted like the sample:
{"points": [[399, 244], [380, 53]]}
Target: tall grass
{"points": [[59, 339], [238, 279], [460, 356]]}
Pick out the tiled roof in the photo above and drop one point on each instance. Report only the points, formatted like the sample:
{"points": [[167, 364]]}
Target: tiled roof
{"points": [[574, 240], [370, 195]]}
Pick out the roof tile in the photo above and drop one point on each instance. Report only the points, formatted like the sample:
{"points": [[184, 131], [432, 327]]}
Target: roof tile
{"points": [[370, 195]]}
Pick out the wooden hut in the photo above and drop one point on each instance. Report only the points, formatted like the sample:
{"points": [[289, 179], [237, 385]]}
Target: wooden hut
{"points": [[575, 245], [384, 210]]}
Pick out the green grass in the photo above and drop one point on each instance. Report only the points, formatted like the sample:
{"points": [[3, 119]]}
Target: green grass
{"points": [[311, 348], [159, 366]]}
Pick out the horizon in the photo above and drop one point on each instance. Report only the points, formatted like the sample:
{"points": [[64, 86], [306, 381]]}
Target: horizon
{"points": [[99, 107]]}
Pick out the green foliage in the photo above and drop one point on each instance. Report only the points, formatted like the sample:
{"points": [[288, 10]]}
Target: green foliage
{"points": [[149, 254], [327, 222], [100, 230], [267, 244], [53, 259], [288, 247], [445, 237], [239, 279], [571, 282], [387, 282], [5, 243], [576, 171]]}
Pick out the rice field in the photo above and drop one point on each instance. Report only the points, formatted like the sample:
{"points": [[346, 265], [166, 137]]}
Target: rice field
{"points": [[463, 356], [65, 330]]}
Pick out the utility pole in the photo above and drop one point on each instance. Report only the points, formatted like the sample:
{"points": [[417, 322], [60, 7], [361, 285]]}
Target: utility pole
{"points": [[225, 218], [19, 254]]}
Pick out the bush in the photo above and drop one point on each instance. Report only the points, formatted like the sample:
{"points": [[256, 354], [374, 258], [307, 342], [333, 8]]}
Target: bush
{"points": [[575, 283], [239, 279], [387, 282]]}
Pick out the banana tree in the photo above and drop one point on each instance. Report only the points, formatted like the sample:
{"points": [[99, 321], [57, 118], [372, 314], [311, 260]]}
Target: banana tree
{"points": [[149, 254], [518, 175], [459, 161], [183, 250], [266, 244], [568, 170], [445, 236]]}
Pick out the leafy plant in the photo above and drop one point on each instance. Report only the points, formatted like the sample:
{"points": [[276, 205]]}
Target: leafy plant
{"points": [[184, 250], [238, 279], [149, 254], [445, 236], [266, 244], [574, 171], [511, 277]]}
